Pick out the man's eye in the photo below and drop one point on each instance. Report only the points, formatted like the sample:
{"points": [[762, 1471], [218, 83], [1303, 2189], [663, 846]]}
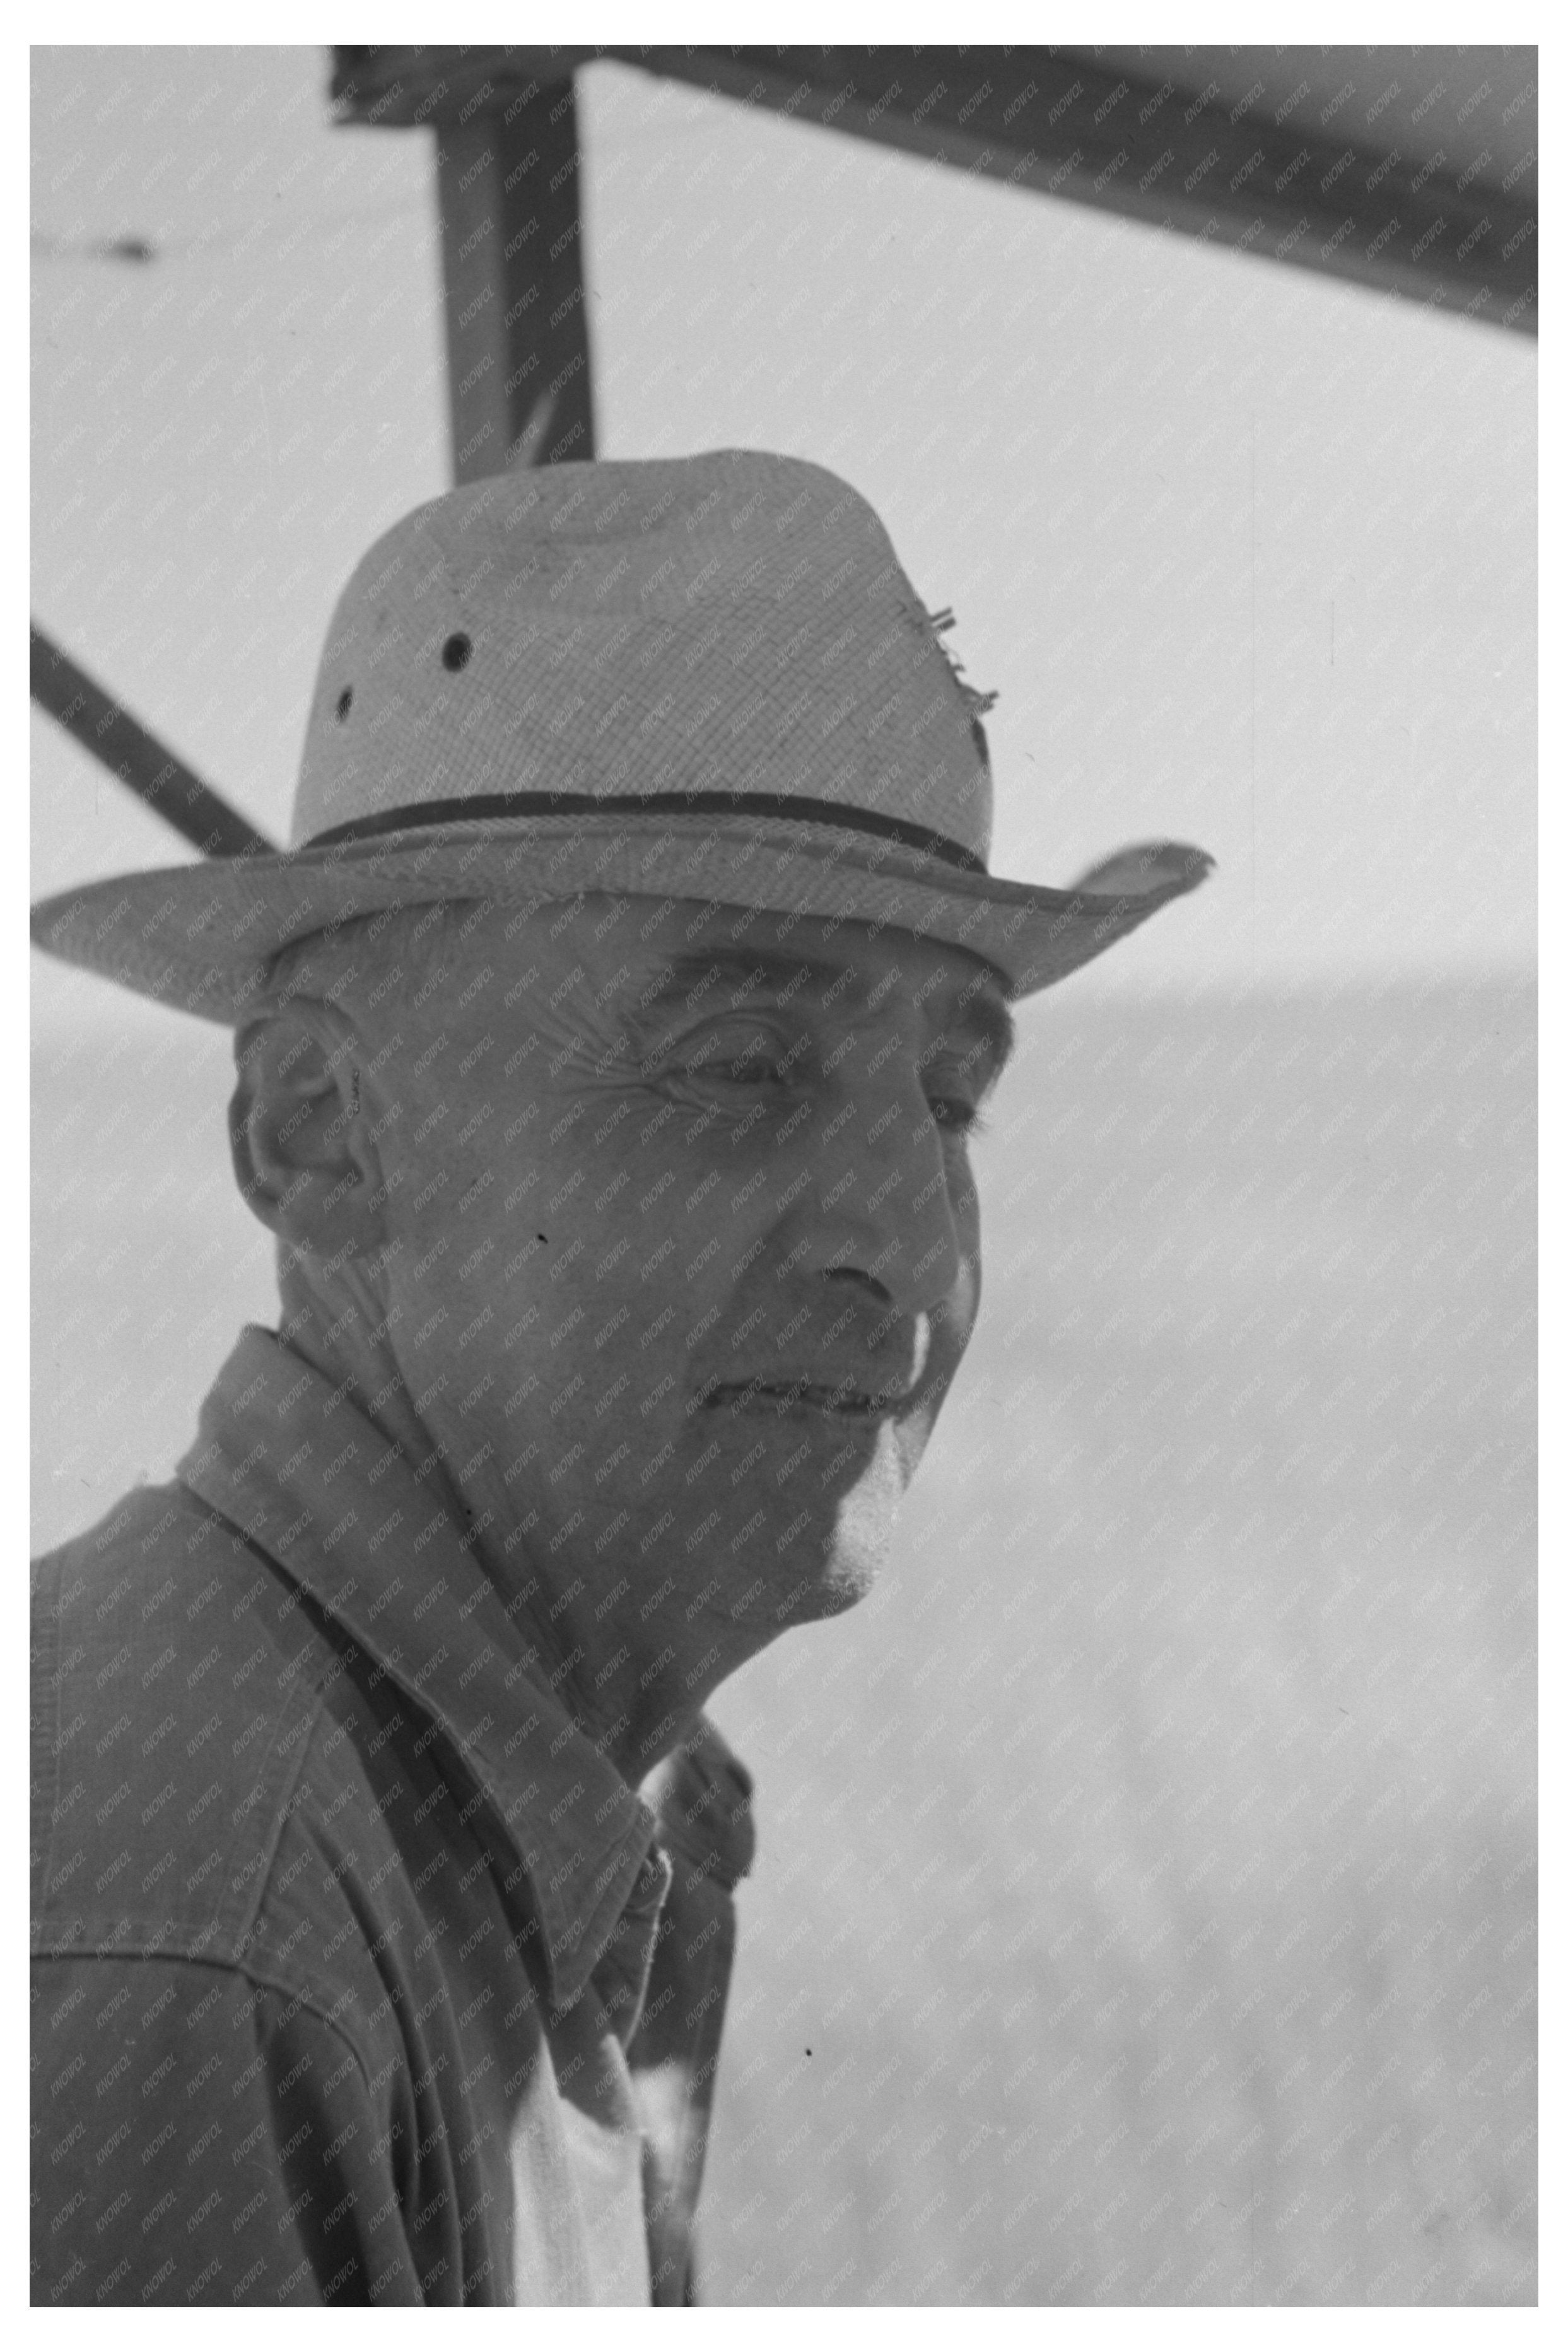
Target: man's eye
{"points": [[750, 1059], [955, 1116]]}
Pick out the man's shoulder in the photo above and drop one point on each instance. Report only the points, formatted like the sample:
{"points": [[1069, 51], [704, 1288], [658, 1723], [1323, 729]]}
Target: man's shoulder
{"points": [[150, 1536], [174, 1680]]}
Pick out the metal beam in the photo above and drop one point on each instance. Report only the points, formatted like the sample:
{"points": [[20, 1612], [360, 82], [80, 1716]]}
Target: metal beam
{"points": [[518, 371], [1152, 146], [1155, 135], [106, 729]]}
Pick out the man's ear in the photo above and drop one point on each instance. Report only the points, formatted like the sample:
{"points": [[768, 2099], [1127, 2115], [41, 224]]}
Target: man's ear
{"points": [[298, 1131]]}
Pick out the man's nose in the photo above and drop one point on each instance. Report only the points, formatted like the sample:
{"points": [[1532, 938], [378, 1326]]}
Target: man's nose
{"points": [[885, 1184]]}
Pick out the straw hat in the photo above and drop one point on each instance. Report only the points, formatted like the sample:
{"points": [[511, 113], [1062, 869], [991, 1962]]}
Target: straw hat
{"points": [[701, 677]]}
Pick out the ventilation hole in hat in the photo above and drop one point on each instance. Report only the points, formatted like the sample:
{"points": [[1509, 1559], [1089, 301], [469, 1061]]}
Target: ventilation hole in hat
{"points": [[345, 703], [456, 651]]}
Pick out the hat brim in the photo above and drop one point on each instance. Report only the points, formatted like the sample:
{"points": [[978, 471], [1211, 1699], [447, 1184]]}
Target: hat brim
{"points": [[201, 938]]}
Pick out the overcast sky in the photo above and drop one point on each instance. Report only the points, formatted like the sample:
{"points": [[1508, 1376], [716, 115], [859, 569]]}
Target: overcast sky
{"points": [[1250, 556]]}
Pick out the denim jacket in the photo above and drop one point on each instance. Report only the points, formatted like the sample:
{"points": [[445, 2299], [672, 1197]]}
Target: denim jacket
{"points": [[358, 1974]]}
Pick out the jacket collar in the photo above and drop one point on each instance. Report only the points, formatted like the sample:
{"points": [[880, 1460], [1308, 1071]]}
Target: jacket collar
{"points": [[293, 1463]]}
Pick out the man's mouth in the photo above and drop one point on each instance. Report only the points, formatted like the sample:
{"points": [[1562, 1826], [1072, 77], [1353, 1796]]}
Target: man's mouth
{"points": [[843, 1399]]}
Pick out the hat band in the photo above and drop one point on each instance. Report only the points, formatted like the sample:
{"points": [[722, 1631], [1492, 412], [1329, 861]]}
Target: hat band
{"points": [[792, 807]]}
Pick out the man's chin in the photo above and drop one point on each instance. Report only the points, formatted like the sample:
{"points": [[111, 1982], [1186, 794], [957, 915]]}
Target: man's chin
{"points": [[850, 1553]]}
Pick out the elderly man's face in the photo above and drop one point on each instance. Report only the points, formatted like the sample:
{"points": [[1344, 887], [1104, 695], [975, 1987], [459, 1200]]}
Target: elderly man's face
{"points": [[690, 1248]]}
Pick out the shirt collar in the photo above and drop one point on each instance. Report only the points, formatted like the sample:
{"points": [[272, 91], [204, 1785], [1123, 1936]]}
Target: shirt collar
{"points": [[292, 1462]]}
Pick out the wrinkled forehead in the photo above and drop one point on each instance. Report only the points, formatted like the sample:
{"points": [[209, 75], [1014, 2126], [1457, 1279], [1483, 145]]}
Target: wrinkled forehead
{"points": [[821, 944], [673, 956]]}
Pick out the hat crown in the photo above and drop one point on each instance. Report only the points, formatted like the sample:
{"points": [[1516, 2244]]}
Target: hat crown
{"points": [[731, 624]]}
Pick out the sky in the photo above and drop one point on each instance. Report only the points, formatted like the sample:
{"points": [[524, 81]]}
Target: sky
{"points": [[1247, 555]]}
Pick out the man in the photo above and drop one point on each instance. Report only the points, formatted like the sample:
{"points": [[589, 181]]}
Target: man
{"points": [[607, 1043]]}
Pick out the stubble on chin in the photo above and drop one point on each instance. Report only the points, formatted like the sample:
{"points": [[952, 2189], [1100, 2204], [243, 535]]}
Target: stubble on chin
{"points": [[855, 1547]]}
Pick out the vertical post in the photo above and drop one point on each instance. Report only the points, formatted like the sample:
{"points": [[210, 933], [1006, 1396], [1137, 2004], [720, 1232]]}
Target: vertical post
{"points": [[511, 255]]}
